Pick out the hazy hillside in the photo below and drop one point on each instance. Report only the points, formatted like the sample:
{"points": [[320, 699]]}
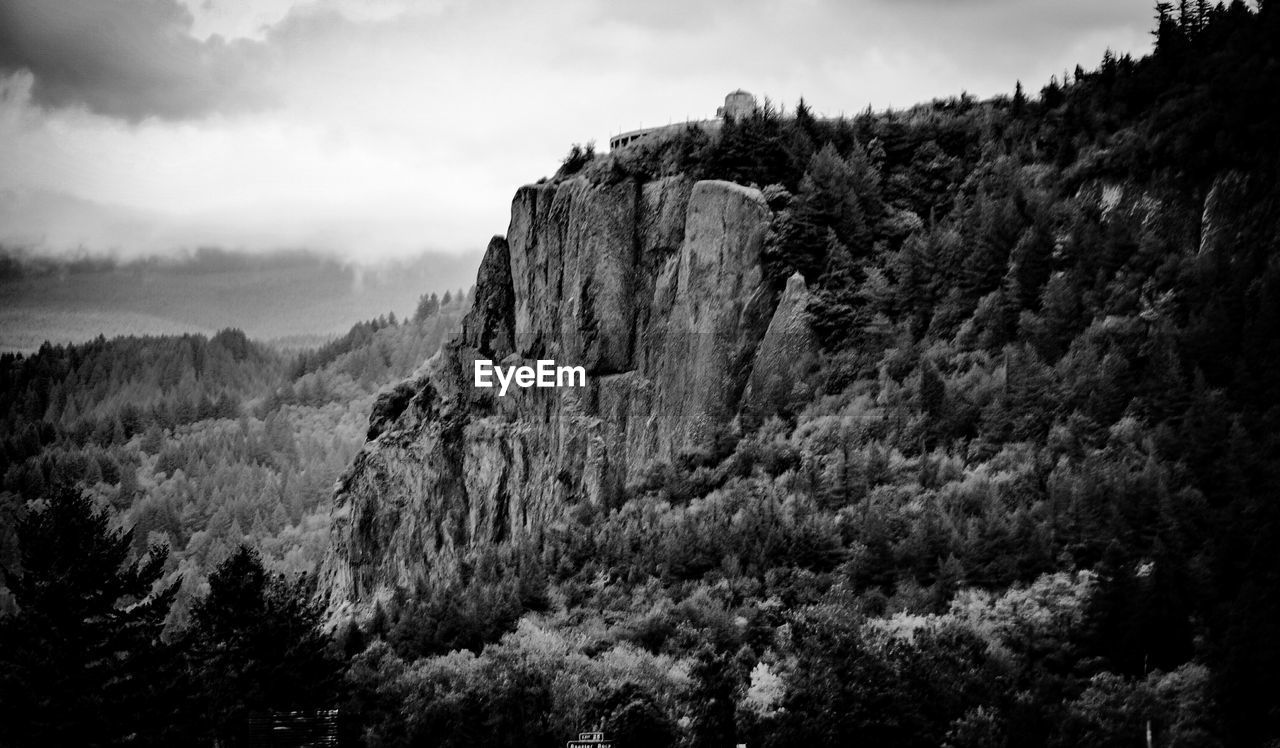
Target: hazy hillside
{"points": [[280, 296], [202, 443]]}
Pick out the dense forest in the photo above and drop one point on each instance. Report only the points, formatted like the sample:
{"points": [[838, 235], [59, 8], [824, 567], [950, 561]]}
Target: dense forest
{"points": [[1027, 497], [201, 444]]}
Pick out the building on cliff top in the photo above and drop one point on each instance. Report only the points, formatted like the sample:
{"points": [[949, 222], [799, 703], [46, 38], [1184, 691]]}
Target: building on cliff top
{"points": [[737, 104]]}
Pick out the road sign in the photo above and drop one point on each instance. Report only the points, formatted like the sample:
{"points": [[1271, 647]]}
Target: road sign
{"points": [[590, 740]]}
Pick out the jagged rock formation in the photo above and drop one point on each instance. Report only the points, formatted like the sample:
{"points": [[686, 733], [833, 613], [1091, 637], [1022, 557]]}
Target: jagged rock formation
{"points": [[785, 356], [657, 289]]}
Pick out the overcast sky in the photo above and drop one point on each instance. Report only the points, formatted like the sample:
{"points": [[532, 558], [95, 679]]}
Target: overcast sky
{"points": [[373, 128]]}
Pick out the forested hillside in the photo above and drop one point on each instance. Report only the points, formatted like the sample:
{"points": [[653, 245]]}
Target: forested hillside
{"points": [[1025, 495], [203, 443]]}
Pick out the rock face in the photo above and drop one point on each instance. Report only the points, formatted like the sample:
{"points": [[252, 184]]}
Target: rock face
{"points": [[784, 357], [656, 289]]}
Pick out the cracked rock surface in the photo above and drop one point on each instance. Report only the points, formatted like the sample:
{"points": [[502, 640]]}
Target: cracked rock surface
{"points": [[656, 289]]}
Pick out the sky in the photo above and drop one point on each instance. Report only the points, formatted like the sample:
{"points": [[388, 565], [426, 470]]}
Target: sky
{"points": [[371, 129]]}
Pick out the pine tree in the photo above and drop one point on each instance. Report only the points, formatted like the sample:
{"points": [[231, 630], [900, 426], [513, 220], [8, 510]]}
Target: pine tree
{"points": [[841, 194], [256, 647], [834, 309], [933, 390], [428, 306], [83, 662]]}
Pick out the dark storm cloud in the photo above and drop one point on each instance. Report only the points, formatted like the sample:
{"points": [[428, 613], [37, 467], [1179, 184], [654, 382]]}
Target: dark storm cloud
{"points": [[128, 59]]}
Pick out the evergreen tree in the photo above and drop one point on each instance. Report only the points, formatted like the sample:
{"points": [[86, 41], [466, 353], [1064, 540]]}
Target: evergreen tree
{"points": [[83, 663], [428, 306], [256, 646]]}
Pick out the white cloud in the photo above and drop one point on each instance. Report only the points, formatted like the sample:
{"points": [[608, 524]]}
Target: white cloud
{"points": [[393, 127]]}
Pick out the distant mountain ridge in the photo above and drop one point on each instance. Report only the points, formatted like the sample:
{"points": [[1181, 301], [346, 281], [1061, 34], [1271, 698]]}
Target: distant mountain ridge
{"points": [[279, 295]]}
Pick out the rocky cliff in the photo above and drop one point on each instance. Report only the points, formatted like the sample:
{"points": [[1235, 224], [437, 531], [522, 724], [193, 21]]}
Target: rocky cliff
{"points": [[656, 289]]}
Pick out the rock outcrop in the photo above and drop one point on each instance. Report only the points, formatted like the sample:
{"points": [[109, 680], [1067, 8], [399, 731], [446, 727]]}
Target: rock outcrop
{"points": [[656, 289], [785, 356]]}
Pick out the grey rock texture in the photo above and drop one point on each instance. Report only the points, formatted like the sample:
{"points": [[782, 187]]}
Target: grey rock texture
{"points": [[656, 289], [784, 357]]}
